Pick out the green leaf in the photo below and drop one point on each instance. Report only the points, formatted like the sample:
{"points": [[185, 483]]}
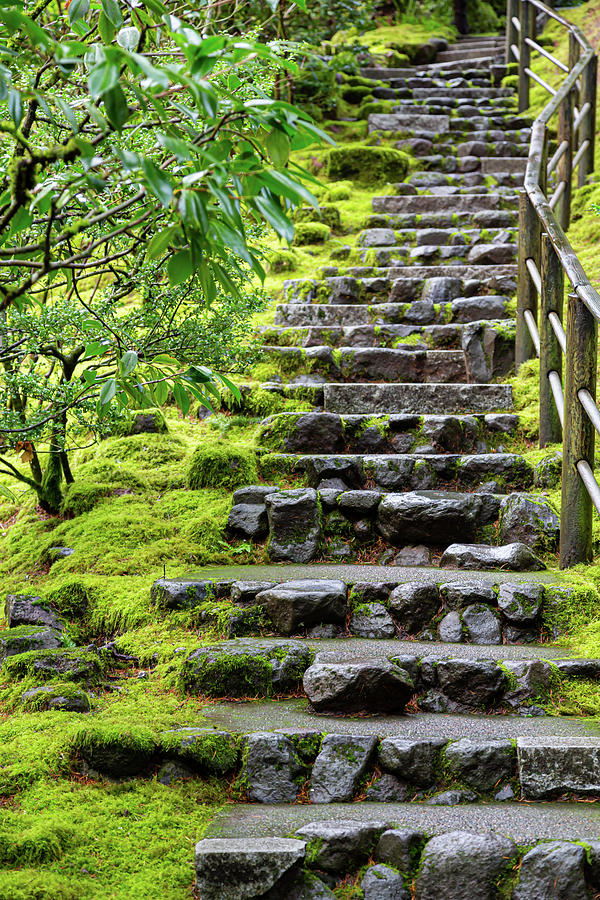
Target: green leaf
{"points": [[160, 242], [128, 38], [106, 28], [160, 393], [108, 391], [111, 10], [97, 348], [278, 147], [15, 106], [78, 9], [129, 361], [232, 387], [115, 106], [180, 267], [157, 182], [102, 78], [271, 211], [182, 398], [163, 359], [4, 492]]}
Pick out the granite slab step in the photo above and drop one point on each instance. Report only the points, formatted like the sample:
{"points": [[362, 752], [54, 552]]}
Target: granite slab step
{"points": [[488, 219], [405, 315], [429, 399], [419, 205], [491, 165]]}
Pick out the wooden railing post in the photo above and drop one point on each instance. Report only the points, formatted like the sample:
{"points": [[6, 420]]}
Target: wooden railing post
{"points": [[587, 131], [579, 434], [527, 298], [527, 19], [551, 357], [564, 169], [512, 35]]}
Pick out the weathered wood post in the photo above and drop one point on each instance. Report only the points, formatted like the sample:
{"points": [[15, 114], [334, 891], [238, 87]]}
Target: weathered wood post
{"points": [[578, 435], [512, 35], [527, 19], [565, 163], [551, 356], [587, 130], [527, 298]]}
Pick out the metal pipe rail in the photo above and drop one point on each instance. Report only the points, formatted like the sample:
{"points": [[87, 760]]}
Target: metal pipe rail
{"points": [[547, 262]]}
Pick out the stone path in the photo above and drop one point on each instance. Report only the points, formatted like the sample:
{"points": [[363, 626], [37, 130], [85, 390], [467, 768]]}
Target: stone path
{"points": [[409, 611]]}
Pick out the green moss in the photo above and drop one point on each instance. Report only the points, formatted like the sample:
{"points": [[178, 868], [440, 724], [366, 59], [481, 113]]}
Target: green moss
{"points": [[77, 665], [227, 467], [212, 753], [327, 214], [234, 676], [311, 233], [367, 165], [81, 497]]}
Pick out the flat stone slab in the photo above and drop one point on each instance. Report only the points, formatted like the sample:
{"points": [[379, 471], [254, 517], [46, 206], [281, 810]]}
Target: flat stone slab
{"points": [[436, 399], [555, 765], [524, 822]]}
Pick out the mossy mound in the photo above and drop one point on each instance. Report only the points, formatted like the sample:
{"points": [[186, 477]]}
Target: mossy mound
{"points": [[44, 665], [223, 467], [367, 165], [311, 233], [83, 496], [328, 215]]}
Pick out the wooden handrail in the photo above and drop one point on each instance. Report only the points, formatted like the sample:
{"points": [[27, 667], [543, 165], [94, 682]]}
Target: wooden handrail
{"points": [[546, 259]]}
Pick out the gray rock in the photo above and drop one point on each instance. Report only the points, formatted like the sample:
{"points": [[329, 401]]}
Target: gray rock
{"points": [[530, 519], [386, 789], [492, 254], [452, 798], [253, 866], [418, 555], [359, 502], [550, 767], [515, 557], [253, 493], [432, 517], [306, 887], [414, 604], [325, 632], [400, 848], [206, 750], [481, 764], [441, 290], [475, 683], [382, 883], [505, 793], [340, 846], [377, 237], [302, 603], [316, 433], [271, 768], [51, 697], [243, 593], [294, 524], [475, 309], [548, 472], [481, 624], [467, 865], [372, 620], [246, 667], [412, 760], [249, 520], [450, 629], [554, 871], [377, 686], [521, 603], [169, 593], [170, 772], [464, 593], [533, 677], [22, 609], [28, 637], [339, 767]]}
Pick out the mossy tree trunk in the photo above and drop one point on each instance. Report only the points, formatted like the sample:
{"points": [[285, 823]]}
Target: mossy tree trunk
{"points": [[460, 16]]}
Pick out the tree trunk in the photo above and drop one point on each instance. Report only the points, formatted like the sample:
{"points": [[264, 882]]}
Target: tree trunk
{"points": [[50, 491], [460, 16]]}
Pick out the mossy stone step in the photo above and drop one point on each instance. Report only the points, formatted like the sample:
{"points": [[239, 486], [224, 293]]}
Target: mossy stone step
{"points": [[419, 204], [417, 315], [415, 399]]}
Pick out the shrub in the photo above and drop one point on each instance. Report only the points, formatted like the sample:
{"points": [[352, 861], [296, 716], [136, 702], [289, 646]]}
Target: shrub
{"points": [[311, 233], [367, 165], [222, 467]]}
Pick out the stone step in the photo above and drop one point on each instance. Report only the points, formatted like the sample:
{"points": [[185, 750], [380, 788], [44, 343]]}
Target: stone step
{"points": [[327, 432], [447, 256], [420, 236], [447, 336], [461, 310], [455, 94], [359, 364], [491, 165], [497, 472], [489, 219], [354, 675], [423, 399], [420, 205], [478, 55], [478, 278]]}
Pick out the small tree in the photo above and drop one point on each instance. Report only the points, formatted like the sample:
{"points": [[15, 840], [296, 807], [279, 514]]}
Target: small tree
{"points": [[129, 140]]}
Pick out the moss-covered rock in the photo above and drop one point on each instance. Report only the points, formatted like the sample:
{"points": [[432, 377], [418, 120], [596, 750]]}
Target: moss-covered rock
{"points": [[367, 165], [205, 750], [226, 467], [311, 233], [82, 496], [26, 638], [65, 697], [46, 665], [327, 214]]}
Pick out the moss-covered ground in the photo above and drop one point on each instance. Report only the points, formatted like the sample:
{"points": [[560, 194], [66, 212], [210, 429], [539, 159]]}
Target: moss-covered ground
{"points": [[156, 504]]}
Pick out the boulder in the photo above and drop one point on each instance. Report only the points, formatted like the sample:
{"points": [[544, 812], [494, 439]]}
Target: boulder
{"points": [[22, 609], [315, 433], [413, 556], [169, 593], [521, 603], [475, 683], [243, 593], [414, 604], [452, 798], [26, 638], [467, 865], [68, 699], [413, 760], [253, 494], [246, 668], [340, 846], [377, 686], [552, 766], [70, 665], [481, 624], [294, 524], [380, 882], [205, 750], [400, 848], [530, 519], [450, 629], [372, 620], [431, 517], [515, 557], [271, 770], [481, 764], [248, 520], [340, 766], [553, 871], [464, 593], [306, 887], [253, 866], [295, 604], [386, 789]]}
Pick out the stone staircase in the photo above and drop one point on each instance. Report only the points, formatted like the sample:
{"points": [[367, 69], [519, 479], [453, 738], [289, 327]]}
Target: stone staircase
{"points": [[397, 661]]}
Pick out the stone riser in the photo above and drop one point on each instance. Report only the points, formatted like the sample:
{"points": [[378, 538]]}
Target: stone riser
{"points": [[417, 399], [405, 315], [500, 219], [325, 432], [424, 235], [443, 256], [421, 205]]}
